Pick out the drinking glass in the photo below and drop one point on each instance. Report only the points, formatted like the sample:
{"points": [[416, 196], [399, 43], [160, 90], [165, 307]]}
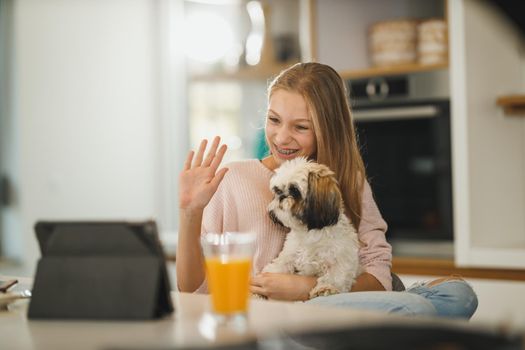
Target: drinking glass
{"points": [[228, 267]]}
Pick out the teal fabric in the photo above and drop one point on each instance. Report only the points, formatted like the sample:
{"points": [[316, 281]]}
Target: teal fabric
{"points": [[261, 147]]}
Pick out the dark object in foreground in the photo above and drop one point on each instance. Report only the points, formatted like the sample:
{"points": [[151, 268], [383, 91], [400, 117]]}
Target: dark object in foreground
{"points": [[423, 336], [406, 337], [100, 270]]}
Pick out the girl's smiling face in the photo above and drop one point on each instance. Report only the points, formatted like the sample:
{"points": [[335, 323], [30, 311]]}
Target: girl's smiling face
{"points": [[289, 128]]}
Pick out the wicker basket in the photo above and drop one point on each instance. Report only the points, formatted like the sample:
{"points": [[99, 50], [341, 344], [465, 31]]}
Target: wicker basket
{"points": [[432, 45], [393, 42]]}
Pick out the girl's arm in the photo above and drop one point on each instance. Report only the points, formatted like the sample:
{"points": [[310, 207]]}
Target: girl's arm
{"points": [[375, 254], [190, 261], [279, 286], [198, 183], [366, 282]]}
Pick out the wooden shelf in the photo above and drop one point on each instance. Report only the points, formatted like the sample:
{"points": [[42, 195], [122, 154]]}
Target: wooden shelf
{"points": [[262, 72], [269, 71], [513, 105], [442, 267], [392, 70]]}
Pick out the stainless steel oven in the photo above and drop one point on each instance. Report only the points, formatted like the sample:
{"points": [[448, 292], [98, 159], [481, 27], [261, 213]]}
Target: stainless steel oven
{"points": [[405, 143]]}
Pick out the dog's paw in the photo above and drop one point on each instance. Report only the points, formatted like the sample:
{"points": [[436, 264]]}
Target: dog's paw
{"points": [[258, 296], [323, 291]]}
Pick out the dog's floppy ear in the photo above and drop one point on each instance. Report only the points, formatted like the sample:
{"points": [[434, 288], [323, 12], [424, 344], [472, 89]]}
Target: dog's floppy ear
{"points": [[322, 202]]}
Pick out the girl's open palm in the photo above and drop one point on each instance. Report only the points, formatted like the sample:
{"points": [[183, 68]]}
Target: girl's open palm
{"points": [[199, 178]]}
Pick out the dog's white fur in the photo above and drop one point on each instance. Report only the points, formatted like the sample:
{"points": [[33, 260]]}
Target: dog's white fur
{"points": [[322, 241]]}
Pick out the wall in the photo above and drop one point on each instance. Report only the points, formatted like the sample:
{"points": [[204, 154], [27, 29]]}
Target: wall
{"points": [[494, 138], [486, 57], [84, 116], [7, 153]]}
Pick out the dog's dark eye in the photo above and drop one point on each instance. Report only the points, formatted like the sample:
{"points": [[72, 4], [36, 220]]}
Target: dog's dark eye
{"points": [[294, 191], [277, 191]]}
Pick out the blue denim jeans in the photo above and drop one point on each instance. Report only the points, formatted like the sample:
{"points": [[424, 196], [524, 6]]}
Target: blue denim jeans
{"points": [[451, 298]]}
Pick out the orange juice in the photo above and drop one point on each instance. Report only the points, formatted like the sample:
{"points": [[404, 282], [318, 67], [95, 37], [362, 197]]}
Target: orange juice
{"points": [[228, 282]]}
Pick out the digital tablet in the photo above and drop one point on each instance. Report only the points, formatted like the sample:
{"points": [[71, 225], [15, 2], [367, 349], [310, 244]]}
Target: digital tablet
{"points": [[110, 270]]}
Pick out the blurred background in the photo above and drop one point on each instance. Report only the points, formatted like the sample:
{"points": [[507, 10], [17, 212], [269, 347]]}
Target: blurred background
{"points": [[100, 101]]}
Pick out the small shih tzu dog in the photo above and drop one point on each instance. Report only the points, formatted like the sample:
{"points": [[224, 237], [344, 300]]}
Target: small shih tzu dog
{"points": [[322, 241]]}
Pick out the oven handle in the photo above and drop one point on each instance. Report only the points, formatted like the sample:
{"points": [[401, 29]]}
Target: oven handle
{"points": [[416, 112]]}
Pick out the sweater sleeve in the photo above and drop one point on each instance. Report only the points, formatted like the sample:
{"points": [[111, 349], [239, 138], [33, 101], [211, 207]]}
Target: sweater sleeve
{"points": [[375, 254]]}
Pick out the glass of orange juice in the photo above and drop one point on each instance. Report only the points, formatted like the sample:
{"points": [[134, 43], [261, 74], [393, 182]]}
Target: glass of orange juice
{"points": [[228, 268]]}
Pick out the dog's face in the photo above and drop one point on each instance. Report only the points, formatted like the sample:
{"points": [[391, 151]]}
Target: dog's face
{"points": [[306, 195]]}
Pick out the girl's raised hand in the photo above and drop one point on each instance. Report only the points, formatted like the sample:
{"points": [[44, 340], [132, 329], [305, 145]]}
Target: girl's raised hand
{"points": [[199, 178]]}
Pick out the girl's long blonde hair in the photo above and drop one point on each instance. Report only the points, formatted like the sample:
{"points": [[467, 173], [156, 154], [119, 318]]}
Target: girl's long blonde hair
{"points": [[326, 98]]}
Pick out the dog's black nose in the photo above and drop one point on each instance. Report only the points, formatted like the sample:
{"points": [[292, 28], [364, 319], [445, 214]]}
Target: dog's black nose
{"points": [[281, 197]]}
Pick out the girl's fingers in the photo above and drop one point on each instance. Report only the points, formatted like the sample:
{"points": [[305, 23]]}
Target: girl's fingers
{"points": [[212, 151], [218, 177], [257, 290], [200, 153], [187, 163], [256, 281], [218, 157]]}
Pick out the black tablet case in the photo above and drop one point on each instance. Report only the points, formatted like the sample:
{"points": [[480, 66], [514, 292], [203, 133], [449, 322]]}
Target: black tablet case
{"points": [[100, 270]]}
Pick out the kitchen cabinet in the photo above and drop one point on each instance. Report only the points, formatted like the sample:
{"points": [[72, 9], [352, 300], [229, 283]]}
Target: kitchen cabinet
{"points": [[486, 61]]}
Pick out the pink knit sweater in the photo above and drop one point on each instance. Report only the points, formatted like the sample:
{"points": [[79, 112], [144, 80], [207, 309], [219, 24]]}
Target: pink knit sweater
{"points": [[240, 205]]}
